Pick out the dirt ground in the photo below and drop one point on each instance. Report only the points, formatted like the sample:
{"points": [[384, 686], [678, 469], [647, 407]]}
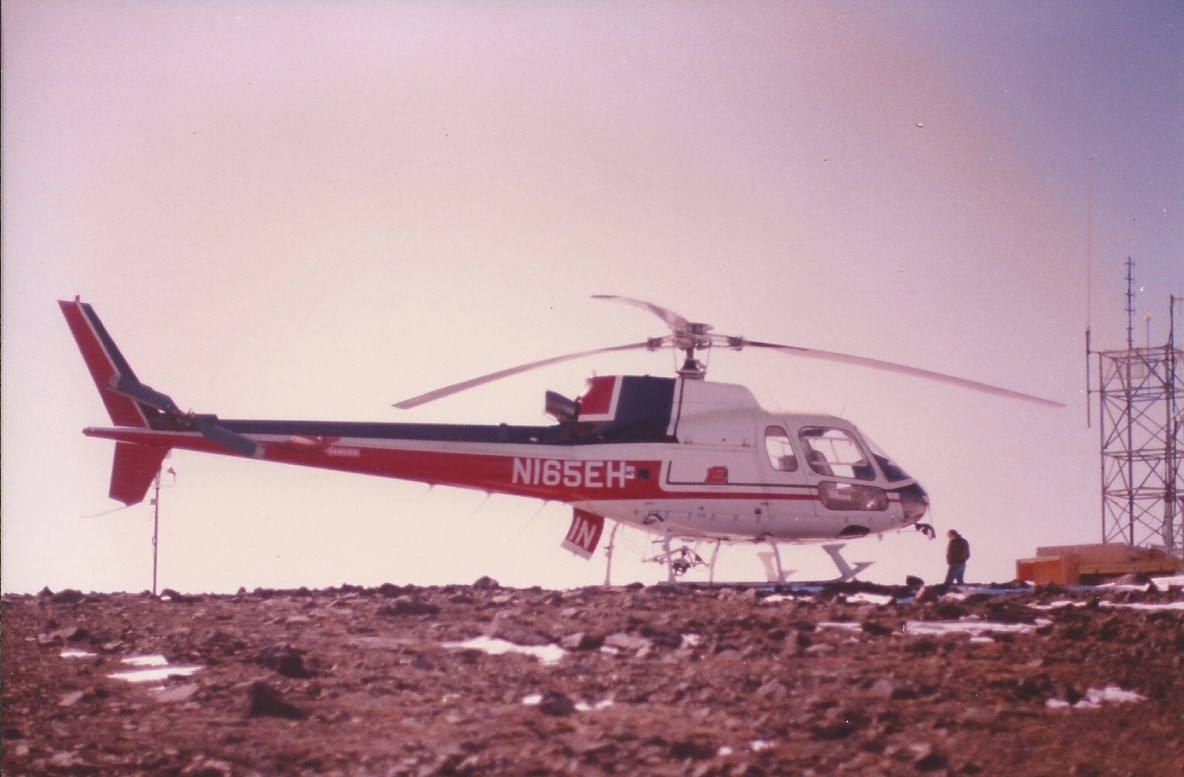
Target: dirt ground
{"points": [[662, 680]]}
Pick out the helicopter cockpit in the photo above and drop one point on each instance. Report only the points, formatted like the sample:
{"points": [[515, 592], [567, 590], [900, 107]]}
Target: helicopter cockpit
{"points": [[846, 464]]}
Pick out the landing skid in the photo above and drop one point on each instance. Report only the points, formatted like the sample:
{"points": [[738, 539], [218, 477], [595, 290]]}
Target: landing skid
{"points": [[846, 571], [682, 559], [774, 571]]}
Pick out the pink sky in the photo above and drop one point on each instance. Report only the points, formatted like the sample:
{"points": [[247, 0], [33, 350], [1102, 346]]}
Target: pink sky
{"points": [[315, 209]]}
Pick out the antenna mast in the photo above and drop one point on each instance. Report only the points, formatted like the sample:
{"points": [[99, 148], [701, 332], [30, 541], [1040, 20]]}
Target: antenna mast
{"points": [[1140, 392]]}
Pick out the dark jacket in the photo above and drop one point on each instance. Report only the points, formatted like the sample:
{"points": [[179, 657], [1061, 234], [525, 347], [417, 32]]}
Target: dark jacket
{"points": [[958, 551]]}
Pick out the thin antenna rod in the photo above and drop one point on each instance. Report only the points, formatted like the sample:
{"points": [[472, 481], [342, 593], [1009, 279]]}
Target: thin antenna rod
{"points": [[1130, 304], [1089, 284], [1089, 251]]}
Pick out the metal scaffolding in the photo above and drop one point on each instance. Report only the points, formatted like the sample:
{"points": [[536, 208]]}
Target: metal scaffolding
{"points": [[1141, 396]]}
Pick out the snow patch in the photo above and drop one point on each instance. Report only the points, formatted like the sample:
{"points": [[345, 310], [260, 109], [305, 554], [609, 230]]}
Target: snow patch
{"points": [[76, 653], [546, 654], [865, 598], [975, 628], [151, 669], [1096, 697]]}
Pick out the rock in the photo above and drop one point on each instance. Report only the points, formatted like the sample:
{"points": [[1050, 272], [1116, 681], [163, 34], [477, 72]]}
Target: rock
{"points": [[581, 640], [691, 748], [773, 689], [630, 643], [176, 597], [70, 762], [203, 766], [838, 725], [556, 704], [69, 634], [68, 596], [70, 699], [284, 659], [408, 605], [927, 594], [485, 583], [1004, 611], [391, 590], [263, 701], [928, 758], [176, 693], [504, 626], [948, 610], [976, 716], [883, 688], [875, 628]]}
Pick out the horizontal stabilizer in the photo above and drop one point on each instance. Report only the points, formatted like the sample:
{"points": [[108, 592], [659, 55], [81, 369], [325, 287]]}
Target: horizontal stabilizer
{"points": [[133, 470]]}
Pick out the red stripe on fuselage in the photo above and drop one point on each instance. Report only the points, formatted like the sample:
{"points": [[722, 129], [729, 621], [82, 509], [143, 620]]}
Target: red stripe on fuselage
{"points": [[540, 476]]}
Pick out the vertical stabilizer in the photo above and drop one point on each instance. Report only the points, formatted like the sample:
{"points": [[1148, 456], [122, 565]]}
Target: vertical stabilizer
{"points": [[133, 470], [128, 402], [107, 366]]}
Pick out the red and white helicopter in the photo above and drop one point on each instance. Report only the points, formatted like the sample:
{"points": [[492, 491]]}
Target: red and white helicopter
{"points": [[681, 457]]}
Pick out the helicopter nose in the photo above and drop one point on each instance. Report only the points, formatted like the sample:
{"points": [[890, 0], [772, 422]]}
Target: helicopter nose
{"points": [[915, 502]]}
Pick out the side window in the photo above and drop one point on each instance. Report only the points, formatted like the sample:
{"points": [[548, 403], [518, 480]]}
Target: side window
{"points": [[781, 456], [835, 453]]}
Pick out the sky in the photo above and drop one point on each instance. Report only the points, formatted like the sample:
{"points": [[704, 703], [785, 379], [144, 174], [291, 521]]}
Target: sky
{"points": [[315, 209]]}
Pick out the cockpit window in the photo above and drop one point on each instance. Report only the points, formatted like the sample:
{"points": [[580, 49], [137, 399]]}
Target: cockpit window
{"points": [[893, 471], [781, 455], [835, 453]]}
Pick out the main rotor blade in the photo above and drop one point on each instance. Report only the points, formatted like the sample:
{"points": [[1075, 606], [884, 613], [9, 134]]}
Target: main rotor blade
{"points": [[677, 323], [903, 369], [456, 388]]}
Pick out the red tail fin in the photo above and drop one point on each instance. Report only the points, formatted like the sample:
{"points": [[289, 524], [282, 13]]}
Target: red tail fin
{"points": [[134, 466], [133, 470], [106, 364]]}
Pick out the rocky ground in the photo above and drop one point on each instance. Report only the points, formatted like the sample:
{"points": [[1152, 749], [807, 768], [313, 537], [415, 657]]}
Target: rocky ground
{"points": [[663, 680]]}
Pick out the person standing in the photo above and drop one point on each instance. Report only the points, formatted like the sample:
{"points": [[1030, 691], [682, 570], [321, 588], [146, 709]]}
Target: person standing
{"points": [[957, 554]]}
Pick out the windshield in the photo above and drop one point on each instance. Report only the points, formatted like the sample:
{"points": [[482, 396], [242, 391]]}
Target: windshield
{"points": [[893, 471], [834, 453]]}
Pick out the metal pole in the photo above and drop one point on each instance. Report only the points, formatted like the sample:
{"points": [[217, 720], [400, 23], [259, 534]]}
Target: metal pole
{"points": [[1088, 389], [1173, 429], [156, 518], [1102, 434], [608, 555], [155, 527]]}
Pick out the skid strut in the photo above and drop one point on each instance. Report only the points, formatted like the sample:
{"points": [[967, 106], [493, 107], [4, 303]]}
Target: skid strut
{"points": [[846, 571]]}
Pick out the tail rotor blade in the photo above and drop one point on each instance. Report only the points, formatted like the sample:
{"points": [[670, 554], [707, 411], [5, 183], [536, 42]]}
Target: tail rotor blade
{"points": [[134, 389], [209, 428]]}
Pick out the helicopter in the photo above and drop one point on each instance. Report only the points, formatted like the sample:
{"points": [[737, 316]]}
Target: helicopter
{"points": [[680, 457]]}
